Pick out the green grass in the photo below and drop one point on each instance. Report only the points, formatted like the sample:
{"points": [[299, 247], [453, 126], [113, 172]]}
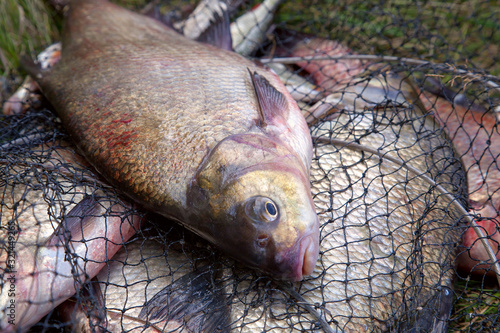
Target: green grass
{"points": [[28, 26], [478, 306], [466, 33]]}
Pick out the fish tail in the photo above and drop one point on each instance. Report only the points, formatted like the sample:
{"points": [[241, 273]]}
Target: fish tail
{"points": [[33, 70], [435, 87]]}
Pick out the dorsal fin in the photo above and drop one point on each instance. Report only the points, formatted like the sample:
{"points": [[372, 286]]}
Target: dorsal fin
{"points": [[273, 103], [219, 32]]}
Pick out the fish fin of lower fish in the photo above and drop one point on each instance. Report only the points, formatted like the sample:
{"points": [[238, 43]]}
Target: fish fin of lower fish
{"points": [[93, 291], [288, 39], [75, 220], [94, 305], [272, 102], [435, 87], [86, 310], [153, 10], [208, 313], [433, 316], [444, 301], [219, 32], [33, 70]]}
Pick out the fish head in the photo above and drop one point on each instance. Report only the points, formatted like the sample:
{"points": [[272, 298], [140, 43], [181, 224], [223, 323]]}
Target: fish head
{"points": [[258, 206]]}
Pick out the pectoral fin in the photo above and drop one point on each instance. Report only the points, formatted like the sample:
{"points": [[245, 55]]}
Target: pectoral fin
{"points": [[273, 104]]}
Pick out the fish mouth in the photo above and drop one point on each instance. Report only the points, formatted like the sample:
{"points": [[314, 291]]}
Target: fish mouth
{"points": [[309, 251], [305, 254]]}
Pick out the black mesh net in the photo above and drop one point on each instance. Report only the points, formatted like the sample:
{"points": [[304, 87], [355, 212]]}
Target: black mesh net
{"points": [[403, 102]]}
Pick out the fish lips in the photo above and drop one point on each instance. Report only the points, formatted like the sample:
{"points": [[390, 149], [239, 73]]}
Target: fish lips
{"points": [[299, 261]]}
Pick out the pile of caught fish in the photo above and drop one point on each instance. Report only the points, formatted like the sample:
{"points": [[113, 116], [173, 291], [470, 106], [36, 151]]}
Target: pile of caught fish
{"points": [[334, 197]]}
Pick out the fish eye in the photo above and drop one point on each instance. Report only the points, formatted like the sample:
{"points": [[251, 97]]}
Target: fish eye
{"points": [[271, 209], [262, 209]]}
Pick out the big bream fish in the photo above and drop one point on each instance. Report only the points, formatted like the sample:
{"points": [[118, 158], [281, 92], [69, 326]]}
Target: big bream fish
{"points": [[191, 131]]}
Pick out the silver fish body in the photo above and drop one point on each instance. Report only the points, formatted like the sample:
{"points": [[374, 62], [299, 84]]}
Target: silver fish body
{"points": [[388, 244], [300, 88], [141, 270], [205, 13]]}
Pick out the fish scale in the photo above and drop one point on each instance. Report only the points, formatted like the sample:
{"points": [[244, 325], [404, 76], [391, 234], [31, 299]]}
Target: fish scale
{"points": [[43, 189], [371, 264]]}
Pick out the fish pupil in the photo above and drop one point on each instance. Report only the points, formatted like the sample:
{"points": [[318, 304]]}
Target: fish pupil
{"points": [[271, 209]]}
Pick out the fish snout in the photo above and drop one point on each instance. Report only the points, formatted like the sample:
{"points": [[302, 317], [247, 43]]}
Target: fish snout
{"points": [[300, 260], [309, 251], [279, 256]]}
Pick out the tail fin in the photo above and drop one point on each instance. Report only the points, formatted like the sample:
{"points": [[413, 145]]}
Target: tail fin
{"points": [[33, 70], [435, 87]]}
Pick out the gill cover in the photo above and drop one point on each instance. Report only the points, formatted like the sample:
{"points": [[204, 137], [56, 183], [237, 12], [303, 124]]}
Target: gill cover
{"points": [[258, 207]]}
